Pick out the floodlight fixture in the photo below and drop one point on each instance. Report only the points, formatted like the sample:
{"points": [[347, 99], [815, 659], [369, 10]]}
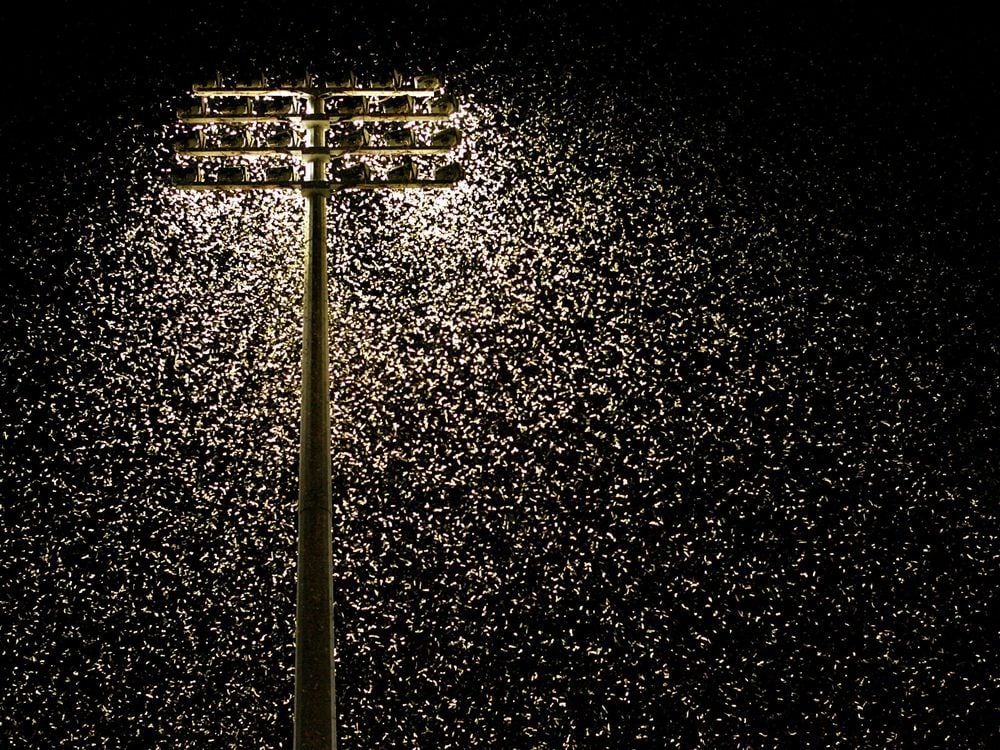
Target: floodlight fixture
{"points": [[234, 106], [283, 138], [352, 175], [397, 105], [400, 138], [449, 173], [404, 171], [447, 138], [189, 175], [232, 175], [279, 174], [446, 104], [192, 141], [427, 82], [351, 138], [285, 105]]}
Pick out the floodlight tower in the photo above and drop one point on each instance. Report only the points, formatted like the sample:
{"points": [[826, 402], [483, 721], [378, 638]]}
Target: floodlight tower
{"points": [[304, 126]]}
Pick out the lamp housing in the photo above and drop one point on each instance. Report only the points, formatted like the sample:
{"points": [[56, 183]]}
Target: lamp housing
{"points": [[189, 175], [347, 105], [277, 107], [447, 138], [192, 141], [449, 173], [405, 171], [352, 175], [427, 82], [279, 174], [236, 105], [400, 138], [349, 138], [397, 105], [282, 138], [232, 175], [445, 104]]}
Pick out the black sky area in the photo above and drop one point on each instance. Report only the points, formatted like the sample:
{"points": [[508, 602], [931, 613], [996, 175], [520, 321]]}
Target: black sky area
{"points": [[677, 429]]}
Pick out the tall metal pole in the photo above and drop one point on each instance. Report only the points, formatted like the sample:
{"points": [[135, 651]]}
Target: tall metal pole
{"points": [[315, 697]]}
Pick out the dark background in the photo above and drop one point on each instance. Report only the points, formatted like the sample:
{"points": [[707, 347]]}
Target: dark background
{"points": [[686, 439]]}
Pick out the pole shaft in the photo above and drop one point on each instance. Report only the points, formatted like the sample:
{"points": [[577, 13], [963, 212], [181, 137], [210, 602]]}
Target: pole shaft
{"points": [[315, 698]]}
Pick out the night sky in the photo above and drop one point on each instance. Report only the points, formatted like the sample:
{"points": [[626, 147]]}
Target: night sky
{"points": [[675, 425]]}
